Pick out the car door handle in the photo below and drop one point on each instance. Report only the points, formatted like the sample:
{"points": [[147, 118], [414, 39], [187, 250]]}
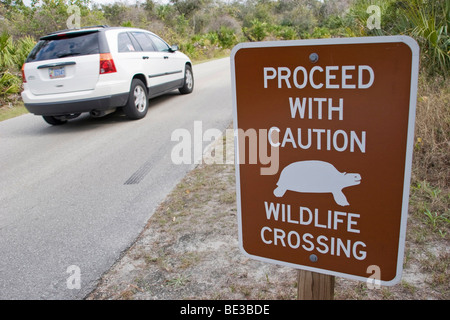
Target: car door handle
{"points": [[145, 57], [166, 57]]}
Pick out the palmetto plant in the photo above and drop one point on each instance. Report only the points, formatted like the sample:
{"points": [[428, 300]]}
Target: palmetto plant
{"points": [[14, 53], [23, 46], [9, 84], [429, 22], [12, 57], [6, 58]]}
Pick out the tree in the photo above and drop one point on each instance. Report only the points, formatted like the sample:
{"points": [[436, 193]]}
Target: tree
{"points": [[187, 7]]}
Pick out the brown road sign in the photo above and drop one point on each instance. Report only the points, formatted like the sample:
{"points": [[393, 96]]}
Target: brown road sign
{"points": [[324, 149]]}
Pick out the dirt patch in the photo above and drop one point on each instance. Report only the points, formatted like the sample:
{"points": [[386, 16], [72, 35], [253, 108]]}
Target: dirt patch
{"points": [[189, 250]]}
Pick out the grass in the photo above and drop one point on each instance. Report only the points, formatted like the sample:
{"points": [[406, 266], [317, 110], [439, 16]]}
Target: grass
{"points": [[430, 188], [432, 216], [431, 152], [12, 110], [429, 214], [179, 280]]}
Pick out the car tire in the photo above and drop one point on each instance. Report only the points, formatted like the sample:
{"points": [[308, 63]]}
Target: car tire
{"points": [[54, 121], [188, 85], [137, 105]]}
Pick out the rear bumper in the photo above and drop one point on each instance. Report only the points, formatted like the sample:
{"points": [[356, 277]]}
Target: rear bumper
{"points": [[78, 106]]}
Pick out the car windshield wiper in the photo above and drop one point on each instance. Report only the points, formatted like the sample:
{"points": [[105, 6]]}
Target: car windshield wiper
{"points": [[68, 54]]}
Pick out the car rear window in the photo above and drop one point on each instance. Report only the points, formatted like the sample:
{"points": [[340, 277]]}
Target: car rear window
{"points": [[65, 45]]}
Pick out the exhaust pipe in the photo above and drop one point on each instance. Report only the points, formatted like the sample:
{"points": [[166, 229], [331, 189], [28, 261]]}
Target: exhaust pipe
{"points": [[101, 113]]}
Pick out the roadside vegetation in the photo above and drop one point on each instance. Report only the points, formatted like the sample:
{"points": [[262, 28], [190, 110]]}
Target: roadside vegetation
{"points": [[206, 29]]}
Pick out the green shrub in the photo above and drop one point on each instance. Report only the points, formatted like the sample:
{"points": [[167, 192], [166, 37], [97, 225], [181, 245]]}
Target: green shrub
{"points": [[213, 37], [6, 58], [321, 32], [258, 30], [14, 53], [9, 84], [427, 21], [284, 32], [226, 37], [189, 49], [429, 26], [23, 47]]}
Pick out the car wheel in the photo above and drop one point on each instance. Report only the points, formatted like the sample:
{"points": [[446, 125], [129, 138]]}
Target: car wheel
{"points": [[137, 105], [188, 86], [54, 121]]}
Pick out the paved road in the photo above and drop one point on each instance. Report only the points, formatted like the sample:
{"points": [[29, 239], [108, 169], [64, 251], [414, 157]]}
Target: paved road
{"points": [[79, 194]]}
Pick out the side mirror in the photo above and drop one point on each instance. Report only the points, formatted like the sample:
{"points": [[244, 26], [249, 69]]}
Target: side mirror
{"points": [[174, 48]]}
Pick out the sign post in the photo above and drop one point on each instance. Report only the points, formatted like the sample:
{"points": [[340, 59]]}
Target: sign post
{"points": [[314, 286], [324, 133]]}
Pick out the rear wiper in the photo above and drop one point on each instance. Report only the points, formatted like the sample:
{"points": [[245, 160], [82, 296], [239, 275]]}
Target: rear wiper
{"points": [[68, 54]]}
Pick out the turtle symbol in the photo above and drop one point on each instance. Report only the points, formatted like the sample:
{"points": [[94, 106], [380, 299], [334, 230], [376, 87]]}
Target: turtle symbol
{"points": [[316, 177]]}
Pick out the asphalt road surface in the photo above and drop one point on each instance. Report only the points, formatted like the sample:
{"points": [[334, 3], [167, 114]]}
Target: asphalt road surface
{"points": [[74, 197]]}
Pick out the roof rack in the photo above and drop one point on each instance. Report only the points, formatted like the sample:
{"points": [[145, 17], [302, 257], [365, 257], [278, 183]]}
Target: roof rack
{"points": [[97, 26], [88, 27]]}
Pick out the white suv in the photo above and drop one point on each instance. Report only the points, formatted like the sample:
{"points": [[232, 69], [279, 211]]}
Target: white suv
{"points": [[99, 69]]}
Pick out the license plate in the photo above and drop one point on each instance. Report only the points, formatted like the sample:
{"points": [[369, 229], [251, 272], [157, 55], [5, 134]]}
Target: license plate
{"points": [[59, 72]]}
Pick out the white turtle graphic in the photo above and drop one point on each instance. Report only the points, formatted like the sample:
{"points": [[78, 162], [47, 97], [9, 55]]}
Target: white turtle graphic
{"points": [[316, 177]]}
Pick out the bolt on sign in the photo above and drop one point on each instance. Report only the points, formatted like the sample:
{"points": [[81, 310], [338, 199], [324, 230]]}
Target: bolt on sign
{"points": [[324, 144]]}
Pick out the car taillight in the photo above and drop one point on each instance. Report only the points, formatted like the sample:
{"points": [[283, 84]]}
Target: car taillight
{"points": [[106, 63], [23, 74]]}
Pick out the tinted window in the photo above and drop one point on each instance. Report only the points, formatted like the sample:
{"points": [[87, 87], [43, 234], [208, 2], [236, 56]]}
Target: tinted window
{"points": [[60, 46], [144, 42], [159, 44], [124, 43]]}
